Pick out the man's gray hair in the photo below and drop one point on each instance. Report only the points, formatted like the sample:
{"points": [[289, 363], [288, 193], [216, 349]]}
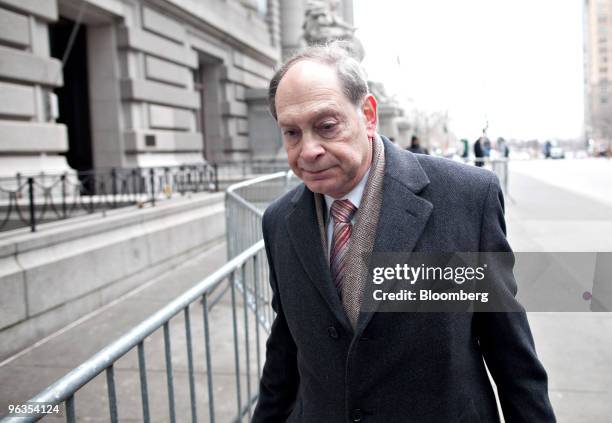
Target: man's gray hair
{"points": [[350, 73]]}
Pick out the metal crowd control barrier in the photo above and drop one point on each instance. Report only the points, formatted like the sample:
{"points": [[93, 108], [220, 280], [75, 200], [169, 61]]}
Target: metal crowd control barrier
{"points": [[500, 168], [244, 205], [245, 275]]}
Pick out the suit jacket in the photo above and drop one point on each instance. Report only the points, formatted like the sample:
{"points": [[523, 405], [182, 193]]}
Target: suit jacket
{"points": [[396, 367]]}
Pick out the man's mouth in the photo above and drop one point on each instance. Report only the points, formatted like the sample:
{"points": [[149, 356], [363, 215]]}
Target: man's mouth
{"points": [[315, 174]]}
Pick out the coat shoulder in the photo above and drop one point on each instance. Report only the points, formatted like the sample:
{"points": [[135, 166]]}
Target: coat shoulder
{"points": [[455, 171], [281, 206], [456, 176]]}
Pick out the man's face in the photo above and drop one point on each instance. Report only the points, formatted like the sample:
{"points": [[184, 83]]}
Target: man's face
{"points": [[326, 137]]}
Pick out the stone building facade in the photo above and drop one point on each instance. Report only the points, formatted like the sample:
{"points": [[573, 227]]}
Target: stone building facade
{"points": [[104, 83], [94, 84], [598, 72]]}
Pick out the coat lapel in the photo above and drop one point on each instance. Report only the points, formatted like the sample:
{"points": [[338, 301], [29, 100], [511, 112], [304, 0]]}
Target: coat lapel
{"points": [[403, 217], [305, 235], [403, 213]]}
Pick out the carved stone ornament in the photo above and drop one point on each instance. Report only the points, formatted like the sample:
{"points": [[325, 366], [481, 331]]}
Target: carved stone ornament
{"points": [[323, 24]]}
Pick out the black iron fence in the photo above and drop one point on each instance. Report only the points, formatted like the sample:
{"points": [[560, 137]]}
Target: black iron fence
{"points": [[29, 200]]}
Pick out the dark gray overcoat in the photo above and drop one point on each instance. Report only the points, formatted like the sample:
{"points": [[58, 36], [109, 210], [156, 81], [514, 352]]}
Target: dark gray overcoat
{"points": [[396, 367]]}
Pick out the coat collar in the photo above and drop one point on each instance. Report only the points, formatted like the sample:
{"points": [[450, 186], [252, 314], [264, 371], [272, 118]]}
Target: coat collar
{"points": [[404, 213], [403, 217]]}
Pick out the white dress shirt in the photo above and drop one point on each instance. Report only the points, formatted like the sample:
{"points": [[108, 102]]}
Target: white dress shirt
{"points": [[354, 196]]}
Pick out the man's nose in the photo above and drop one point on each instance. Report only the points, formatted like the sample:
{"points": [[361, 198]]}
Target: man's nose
{"points": [[311, 148]]}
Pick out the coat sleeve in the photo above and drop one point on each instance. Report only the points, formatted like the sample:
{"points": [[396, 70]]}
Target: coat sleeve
{"points": [[280, 378], [504, 337]]}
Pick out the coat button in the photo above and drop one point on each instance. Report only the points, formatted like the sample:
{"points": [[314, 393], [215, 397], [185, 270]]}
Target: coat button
{"points": [[332, 332], [356, 415]]}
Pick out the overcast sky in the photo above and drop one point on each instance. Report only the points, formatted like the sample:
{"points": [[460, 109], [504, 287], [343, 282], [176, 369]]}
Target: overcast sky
{"points": [[516, 62]]}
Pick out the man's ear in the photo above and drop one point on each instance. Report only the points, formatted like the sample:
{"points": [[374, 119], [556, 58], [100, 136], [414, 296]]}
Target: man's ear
{"points": [[369, 110]]}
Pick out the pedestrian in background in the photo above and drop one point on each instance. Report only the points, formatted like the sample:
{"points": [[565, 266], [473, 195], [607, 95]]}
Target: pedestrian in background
{"points": [[503, 148], [466, 148], [486, 146], [415, 146], [478, 153], [547, 149]]}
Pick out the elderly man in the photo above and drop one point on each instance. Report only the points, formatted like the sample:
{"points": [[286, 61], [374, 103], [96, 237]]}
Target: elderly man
{"points": [[327, 359]]}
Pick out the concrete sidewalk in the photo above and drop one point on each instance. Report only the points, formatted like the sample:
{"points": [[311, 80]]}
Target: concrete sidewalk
{"points": [[576, 348], [38, 367]]}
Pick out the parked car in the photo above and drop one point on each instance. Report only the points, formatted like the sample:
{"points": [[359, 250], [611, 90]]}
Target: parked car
{"points": [[557, 153]]}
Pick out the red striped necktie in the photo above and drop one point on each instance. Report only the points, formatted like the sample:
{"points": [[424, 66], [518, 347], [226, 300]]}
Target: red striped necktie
{"points": [[342, 212]]}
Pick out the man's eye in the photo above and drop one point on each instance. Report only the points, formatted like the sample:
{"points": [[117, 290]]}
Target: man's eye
{"points": [[328, 127], [290, 133]]}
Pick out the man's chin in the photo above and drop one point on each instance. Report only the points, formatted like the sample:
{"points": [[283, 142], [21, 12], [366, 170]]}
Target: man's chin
{"points": [[318, 186], [326, 187]]}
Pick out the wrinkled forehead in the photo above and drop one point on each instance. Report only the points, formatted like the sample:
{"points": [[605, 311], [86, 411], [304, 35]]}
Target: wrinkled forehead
{"points": [[304, 78], [309, 88]]}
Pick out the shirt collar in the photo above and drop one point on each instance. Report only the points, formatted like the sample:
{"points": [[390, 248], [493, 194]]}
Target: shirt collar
{"points": [[354, 196]]}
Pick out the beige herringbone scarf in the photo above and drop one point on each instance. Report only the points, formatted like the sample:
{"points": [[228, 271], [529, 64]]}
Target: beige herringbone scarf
{"points": [[363, 235]]}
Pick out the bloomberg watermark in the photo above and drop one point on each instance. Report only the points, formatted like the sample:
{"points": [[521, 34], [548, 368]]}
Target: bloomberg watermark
{"points": [[488, 282]]}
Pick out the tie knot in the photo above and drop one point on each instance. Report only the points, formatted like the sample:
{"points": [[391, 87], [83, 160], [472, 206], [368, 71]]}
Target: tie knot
{"points": [[342, 211]]}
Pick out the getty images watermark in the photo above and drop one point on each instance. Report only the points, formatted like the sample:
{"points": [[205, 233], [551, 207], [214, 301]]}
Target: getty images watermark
{"points": [[488, 282], [419, 274]]}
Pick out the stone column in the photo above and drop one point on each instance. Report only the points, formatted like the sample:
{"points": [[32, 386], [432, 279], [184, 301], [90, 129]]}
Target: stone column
{"points": [[264, 132], [157, 91], [389, 116], [274, 22], [105, 97], [30, 140], [292, 19], [347, 12]]}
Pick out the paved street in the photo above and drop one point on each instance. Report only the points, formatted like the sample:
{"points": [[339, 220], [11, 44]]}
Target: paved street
{"points": [[552, 206]]}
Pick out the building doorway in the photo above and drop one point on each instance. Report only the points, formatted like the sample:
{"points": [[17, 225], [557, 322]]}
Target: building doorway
{"points": [[73, 96], [200, 86], [209, 119]]}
